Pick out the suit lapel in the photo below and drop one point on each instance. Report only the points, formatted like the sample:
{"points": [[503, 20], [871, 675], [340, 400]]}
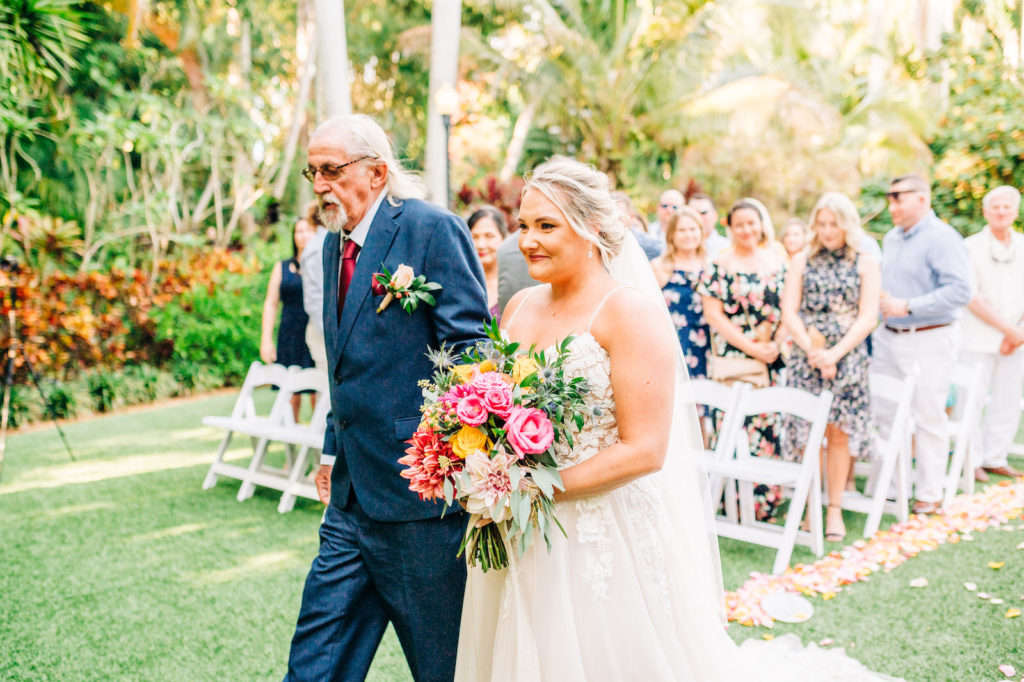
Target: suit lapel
{"points": [[375, 250]]}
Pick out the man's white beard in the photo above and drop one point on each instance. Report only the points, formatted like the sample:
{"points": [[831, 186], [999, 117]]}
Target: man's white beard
{"points": [[335, 220]]}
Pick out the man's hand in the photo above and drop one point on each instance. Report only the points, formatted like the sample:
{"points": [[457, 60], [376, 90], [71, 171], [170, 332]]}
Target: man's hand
{"points": [[1009, 345], [323, 483], [894, 307]]}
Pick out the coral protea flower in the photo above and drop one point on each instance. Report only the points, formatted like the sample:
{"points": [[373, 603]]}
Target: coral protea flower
{"points": [[489, 484], [430, 462]]}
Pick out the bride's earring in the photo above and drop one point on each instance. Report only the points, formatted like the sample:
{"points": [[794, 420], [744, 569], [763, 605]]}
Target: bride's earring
{"points": [[590, 251]]}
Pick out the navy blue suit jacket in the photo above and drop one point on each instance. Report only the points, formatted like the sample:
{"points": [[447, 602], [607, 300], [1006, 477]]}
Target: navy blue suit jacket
{"points": [[375, 360]]}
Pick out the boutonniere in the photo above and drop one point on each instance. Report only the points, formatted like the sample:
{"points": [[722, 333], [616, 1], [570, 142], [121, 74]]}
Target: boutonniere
{"points": [[404, 285]]}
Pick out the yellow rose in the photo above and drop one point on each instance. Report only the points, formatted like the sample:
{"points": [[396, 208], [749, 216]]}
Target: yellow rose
{"points": [[523, 368], [486, 366], [468, 440], [464, 372]]}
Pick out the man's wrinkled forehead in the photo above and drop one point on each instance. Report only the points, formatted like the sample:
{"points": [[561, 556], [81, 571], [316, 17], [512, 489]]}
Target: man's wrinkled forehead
{"points": [[908, 183]]}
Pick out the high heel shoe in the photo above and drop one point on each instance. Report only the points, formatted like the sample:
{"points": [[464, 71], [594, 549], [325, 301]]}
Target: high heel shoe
{"points": [[834, 532]]}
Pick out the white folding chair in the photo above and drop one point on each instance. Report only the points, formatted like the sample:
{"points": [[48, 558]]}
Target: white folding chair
{"points": [[725, 399], [307, 437], [890, 469], [967, 380], [297, 438], [804, 477], [246, 420]]}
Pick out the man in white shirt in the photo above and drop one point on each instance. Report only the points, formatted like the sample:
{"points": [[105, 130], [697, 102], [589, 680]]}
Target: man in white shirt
{"points": [[311, 265], [714, 243], [671, 200], [993, 328]]}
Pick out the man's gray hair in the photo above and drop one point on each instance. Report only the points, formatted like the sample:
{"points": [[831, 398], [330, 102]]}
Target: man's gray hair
{"points": [[1002, 192], [360, 136], [916, 182]]}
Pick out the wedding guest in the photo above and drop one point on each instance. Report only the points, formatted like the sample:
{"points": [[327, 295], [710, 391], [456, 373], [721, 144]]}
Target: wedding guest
{"points": [[714, 243], [793, 238], [311, 263], [679, 272], [285, 286], [829, 307], [925, 283], [487, 226], [993, 328], [670, 201], [741, 295]]}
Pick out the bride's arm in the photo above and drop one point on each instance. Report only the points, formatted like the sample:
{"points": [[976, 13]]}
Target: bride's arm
{"points": [[643, 355]]}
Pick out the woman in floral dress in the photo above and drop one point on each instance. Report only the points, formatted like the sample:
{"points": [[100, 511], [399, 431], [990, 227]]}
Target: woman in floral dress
{"points": [[742, 295], [679, 272], [829, 307]]}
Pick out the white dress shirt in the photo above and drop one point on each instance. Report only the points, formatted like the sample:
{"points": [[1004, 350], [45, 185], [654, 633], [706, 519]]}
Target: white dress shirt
{"points": [[997, 276]]}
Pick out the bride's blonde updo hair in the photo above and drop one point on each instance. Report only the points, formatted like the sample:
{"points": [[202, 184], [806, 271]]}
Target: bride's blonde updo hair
{"points": [[583, 195]]}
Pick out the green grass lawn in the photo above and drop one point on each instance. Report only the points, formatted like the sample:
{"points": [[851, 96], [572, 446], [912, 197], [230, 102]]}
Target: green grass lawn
{"points": [[119, 567]]}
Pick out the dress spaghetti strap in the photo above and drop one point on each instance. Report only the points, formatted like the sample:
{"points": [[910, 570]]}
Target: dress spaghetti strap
{"points": [[519, 307], [601, 305]]}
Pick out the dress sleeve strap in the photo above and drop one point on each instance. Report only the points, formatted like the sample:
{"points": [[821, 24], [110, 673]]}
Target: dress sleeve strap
{"points": [[601, 305], [519, 307]]}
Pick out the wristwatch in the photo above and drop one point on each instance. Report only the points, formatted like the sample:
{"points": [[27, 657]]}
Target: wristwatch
{"points": [[909, 311]]}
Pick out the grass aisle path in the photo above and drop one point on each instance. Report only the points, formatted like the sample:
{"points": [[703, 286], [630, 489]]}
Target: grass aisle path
{"points": [[119, 567]]}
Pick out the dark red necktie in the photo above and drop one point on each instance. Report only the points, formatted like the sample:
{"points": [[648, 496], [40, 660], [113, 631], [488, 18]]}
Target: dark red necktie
{"points": [[348, 266]]}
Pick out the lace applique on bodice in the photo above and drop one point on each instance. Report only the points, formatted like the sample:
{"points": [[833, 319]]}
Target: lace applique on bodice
{"points": [[589, 360]]}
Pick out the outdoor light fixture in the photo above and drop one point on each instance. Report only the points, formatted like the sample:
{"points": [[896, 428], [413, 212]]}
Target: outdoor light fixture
{"points": [[446, 101]]}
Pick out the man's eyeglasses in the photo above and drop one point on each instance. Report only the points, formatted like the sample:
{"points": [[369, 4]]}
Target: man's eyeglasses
{"points": [[672, 206], [329, 171], [895, 196]]}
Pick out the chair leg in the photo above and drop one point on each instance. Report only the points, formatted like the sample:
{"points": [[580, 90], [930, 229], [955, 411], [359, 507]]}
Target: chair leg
{"points": [[248, 486], [297, 471], [211, 475], [886, 471], [814, 509], [796, 508]]}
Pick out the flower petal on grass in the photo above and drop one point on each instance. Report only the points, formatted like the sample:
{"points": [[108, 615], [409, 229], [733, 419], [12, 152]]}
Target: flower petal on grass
{"points": [[996, 565], [1012, 612], [984, 595], [828, 641], [919, 582], [995, 600], [1007, 670], [970, 587]]}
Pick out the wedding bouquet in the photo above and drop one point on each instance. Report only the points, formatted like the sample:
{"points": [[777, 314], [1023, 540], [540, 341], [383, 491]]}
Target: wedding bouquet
{"points": [[486, 442]]}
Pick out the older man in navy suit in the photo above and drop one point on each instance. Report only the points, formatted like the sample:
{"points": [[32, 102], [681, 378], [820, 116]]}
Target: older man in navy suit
{"points": [[385, 555]]}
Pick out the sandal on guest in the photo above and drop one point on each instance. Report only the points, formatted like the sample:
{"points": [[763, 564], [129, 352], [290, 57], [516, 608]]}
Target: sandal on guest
{"points": [[831, 532]]}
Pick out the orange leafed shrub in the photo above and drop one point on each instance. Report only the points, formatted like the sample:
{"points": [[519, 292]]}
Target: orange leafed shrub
{"points": [[72, 322]]}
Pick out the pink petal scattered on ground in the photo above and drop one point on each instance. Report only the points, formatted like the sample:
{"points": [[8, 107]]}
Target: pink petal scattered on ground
{"points": [[1007, 670], [995, 600], [990, 508], [828, 641], [984, 595]]}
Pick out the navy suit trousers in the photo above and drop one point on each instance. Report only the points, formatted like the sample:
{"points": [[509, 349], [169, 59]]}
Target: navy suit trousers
{"points": [[369, 573]]}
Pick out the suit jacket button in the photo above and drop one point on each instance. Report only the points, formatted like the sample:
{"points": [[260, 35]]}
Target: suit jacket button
{"points": [[343, 424]]}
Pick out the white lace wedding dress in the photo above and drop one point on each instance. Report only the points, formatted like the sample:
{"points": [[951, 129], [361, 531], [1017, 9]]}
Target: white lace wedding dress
{"points": [[618, 599]]}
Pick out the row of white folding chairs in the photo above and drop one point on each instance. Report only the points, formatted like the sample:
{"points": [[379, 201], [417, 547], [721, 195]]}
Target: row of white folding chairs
{"points": [[278, 426], [888, 474]]}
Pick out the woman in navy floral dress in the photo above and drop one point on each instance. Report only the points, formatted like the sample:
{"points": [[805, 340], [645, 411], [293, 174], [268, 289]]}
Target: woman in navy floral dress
{"points": [[679, 272], [742, 295]]}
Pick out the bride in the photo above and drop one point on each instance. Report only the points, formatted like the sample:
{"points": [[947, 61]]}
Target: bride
{"points": [[633, 592]]}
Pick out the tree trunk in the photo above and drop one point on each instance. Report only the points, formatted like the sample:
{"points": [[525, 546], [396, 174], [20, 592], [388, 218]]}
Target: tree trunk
{"points": [[445, 27], [520, 131], [305, 34], [333, 88]]}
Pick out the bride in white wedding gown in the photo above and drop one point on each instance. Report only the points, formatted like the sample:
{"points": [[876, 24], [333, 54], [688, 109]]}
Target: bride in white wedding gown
{"points": [[633, 592]]}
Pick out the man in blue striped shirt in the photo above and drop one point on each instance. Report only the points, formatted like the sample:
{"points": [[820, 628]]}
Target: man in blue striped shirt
{"points": [[925, 283]]}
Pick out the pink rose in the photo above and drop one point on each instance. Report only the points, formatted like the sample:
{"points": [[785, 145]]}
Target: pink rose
{"points": [[471, 411], [499, 401], [488, 381], [456, 393], [529, 431]]}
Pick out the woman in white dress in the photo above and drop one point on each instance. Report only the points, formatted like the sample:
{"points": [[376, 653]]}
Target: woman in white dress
{"points": [[633, 592]]}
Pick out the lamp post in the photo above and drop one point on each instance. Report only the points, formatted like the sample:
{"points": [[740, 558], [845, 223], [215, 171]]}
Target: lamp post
{"points": [[446, 101]]}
